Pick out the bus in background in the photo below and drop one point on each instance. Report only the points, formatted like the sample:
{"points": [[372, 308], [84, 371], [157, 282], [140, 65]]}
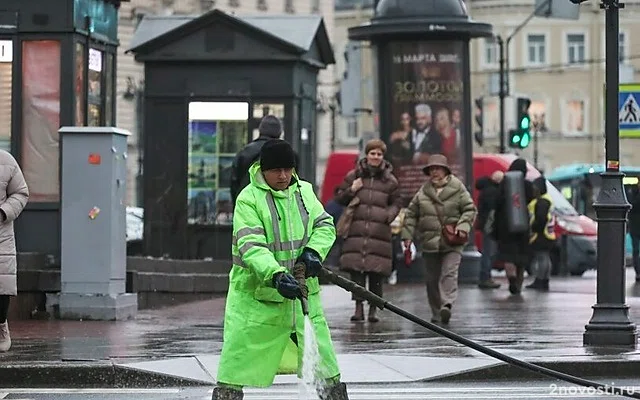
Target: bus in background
{"points": [[580, 184]]}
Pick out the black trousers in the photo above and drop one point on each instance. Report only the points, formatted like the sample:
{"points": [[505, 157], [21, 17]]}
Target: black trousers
{"points": [[375, 282], [4, 308]]}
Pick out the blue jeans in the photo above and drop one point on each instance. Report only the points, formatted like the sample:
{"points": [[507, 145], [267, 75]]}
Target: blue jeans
{"points": [[489, 249], [635, 254]]}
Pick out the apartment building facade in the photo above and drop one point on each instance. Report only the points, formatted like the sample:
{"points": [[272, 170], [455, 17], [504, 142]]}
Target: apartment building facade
{"points": [[130, 74], [559, 64]]}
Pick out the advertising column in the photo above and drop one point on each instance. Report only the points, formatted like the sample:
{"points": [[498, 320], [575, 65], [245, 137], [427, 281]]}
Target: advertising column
{"points": [[426, 109]]}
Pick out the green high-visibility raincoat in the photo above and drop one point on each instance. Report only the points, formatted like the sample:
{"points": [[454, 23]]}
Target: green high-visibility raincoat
{"points": [[270, 230]]}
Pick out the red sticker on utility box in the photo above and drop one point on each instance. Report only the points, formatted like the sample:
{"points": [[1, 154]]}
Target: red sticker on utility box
{"points": [[613, 165], [95, 159]]}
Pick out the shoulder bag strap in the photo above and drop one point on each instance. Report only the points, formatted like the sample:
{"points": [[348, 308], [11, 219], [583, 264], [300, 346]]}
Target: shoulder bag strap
{"points": [[439, 211]]}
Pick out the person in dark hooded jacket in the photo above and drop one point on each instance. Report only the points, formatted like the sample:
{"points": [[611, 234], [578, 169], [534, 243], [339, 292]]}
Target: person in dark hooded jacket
{"points": [[513, 248], [487, 199], [270, 128]]}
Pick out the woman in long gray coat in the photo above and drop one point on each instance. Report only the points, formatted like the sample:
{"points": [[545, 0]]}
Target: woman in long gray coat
{"points": [[13, 197]]}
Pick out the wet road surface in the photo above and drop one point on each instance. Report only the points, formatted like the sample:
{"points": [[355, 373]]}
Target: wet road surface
{"points": [[425, 391], [534, 324]]}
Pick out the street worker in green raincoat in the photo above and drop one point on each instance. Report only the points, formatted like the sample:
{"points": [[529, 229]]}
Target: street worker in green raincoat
{"points": [[277, 222]]}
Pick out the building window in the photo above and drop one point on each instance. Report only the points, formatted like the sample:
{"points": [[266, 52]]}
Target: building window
{"points": [[262, 5], [352, 129], [491, 52], [537, 49], [622, 54], [315, 6], [574, 117], [288, 7], [575, 48], [234, 3]]}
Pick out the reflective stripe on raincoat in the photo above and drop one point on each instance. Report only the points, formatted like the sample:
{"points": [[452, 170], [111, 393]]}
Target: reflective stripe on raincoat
{"points": [[270, 230]]}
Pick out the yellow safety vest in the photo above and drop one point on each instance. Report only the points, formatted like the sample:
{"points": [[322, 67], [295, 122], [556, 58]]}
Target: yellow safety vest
{"points": [[549, 231]]}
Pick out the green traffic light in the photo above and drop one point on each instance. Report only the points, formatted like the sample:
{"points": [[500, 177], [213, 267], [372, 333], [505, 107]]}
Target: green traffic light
{"points": [[515, 139], [525, 141], [524, 123]]}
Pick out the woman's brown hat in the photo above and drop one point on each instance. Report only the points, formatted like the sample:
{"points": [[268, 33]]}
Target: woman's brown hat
{"points": [[436, 160]]}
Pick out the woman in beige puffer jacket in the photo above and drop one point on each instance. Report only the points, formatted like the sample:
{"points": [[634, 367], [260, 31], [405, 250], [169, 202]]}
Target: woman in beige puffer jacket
{"points": [[444, 192]]}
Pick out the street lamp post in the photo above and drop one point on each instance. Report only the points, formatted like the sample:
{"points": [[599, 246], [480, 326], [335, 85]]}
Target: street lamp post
{"points": [[610, 324]]}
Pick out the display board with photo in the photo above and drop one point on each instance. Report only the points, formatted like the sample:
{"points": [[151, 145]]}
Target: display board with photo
{"points": [[217, 132], [202, 171], [426, 109]]}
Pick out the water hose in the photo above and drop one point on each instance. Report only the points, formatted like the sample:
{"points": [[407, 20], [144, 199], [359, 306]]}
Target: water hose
{"points": [[381, 303]]}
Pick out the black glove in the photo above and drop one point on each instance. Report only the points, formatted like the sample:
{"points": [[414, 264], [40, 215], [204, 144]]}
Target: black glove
{"points": [[311, 260], [287, 285]]}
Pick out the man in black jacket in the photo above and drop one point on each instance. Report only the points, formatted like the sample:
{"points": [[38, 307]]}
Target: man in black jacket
{"points": [[634, 229], [489, 192], [269, 128]]}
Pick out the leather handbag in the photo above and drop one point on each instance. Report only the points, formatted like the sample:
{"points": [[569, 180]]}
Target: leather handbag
{"points": [[449, 230], [344, 223]]}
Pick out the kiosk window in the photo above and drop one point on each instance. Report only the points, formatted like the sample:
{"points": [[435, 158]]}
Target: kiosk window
{"points": [[217, 132], [261, 110], [95, 88], [79, 86], [41, 118], [108, 91], [6, 74]]}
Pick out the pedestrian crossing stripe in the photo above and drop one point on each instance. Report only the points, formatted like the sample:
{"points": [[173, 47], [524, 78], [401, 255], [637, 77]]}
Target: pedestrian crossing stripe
{"points": [[629, 110]]}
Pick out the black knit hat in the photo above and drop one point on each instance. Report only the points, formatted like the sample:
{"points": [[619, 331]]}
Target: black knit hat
{"points": [[270, 126], [277, 154]]}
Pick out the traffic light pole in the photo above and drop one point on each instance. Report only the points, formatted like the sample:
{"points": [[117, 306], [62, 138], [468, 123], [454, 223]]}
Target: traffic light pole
{"points": [[610, 324], [505, 89]]}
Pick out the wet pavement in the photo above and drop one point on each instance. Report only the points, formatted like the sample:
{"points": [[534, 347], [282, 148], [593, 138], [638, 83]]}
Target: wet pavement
{"points": [[413, 391], [534, 326]]}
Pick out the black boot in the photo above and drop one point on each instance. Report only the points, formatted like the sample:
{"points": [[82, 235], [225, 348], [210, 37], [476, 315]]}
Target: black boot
{"points": [[223, 393], [514, 288], [335, 392], [539, 284], [534, 285]]}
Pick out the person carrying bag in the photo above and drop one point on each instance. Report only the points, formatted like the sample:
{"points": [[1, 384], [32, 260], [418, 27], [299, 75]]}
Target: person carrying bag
{"points": [[440, 216]]}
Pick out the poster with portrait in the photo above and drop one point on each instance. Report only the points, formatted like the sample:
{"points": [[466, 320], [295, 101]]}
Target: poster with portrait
{"points": [[426, 109]]}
